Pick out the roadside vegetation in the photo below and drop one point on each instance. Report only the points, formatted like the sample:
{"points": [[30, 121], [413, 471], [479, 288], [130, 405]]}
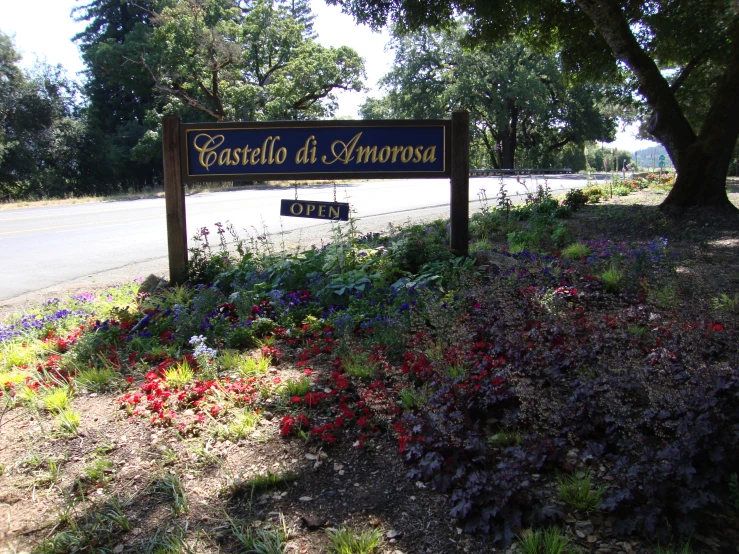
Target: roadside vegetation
{"points": [[573, 385]]}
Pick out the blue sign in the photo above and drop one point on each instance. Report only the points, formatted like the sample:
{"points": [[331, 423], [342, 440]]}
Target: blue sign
{"points": [[335, 211], [274, 151]]}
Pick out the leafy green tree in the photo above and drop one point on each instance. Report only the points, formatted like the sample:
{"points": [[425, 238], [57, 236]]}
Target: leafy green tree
{"points": [[39, 131], [694, 112], [118, 91], [255, 64], [517, 98]]}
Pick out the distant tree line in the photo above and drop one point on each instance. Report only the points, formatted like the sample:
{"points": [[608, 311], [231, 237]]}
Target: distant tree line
{"points": [[204, 60], [543, 84]]}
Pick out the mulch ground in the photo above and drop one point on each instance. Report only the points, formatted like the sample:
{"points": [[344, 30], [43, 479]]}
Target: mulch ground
{"points": [[338, 486]]}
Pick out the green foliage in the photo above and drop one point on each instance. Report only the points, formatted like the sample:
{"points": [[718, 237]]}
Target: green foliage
{"points": [[546, 541], [179, 375], [576, 491], [348, 541], [412, 397], [68, 421], [576, 251], [723, 302], [56, 399], [241, 337], [358, 364], [612, 278], [536, 108], [503, 438], [253, 63], [98, 379], [575, 199], [594, 194], [262, 482], [247, 366], [295, 387], [171, 486], [238, 426], [272, 540]]}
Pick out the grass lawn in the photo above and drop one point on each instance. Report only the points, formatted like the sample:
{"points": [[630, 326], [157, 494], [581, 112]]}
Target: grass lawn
{"points": [[572, 386]]}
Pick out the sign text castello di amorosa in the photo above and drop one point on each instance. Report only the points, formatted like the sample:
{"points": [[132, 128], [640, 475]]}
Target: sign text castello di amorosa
{"points": [[331, 151]]}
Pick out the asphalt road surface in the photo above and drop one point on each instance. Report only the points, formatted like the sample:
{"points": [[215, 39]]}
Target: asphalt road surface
{"points": [[64, 247]]}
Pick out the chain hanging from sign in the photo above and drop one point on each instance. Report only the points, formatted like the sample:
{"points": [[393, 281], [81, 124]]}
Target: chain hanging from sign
{"points": [[336, 211]]}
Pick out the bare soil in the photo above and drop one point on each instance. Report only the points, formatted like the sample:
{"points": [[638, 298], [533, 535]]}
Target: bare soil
{"points": [[340, 486]]}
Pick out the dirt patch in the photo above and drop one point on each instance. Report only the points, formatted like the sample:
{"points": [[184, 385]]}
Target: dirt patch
{"points": [[170, 485]]}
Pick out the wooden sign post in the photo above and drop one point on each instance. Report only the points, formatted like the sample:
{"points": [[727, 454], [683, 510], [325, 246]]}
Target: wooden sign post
{"points": [[460, 183], [305, 150], [174, 199]]}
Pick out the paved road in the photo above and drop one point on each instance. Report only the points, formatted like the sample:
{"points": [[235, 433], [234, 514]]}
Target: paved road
{"points": [[57, 247]]}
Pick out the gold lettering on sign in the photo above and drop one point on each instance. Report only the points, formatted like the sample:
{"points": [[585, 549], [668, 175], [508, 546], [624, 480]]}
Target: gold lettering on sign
{"points": [[207, 156], [310, 208], [384, 154], [342, 151], [366, 151], [308, 151], [429, 155], [293, 207], [322, 210], [333, 212], [281, 155], [253, 158], [405, 157], [224, 157]]}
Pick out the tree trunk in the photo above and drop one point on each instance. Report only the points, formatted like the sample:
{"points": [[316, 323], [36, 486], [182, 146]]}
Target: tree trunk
{"points": [[701, 179], [702, 161], [508, 139]]}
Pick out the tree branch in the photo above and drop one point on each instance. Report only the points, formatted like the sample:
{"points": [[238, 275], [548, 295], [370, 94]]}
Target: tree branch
{"points": [[668, 123], [177, 91]]}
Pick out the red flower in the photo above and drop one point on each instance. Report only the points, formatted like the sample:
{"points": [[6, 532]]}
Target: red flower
{"points": [[286, 425]]}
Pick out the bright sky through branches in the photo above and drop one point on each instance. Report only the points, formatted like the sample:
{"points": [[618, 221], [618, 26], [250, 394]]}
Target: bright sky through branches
{"points": [[43, 29]]}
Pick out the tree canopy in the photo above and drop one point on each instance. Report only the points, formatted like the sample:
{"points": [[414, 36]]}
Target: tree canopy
{"points": [[518, 99], [682, 57]]}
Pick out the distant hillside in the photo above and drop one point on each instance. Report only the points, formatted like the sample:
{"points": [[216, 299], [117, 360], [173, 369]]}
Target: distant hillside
{"points": [[649, 157]]}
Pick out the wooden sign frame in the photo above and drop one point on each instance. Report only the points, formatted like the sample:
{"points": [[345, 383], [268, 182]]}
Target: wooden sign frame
{"points": [[456, 165]]}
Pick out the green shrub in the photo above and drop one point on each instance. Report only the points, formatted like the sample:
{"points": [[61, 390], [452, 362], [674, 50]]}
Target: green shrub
{"points": [[575, 199], [263, 326], [576, 251], [594, 194]]}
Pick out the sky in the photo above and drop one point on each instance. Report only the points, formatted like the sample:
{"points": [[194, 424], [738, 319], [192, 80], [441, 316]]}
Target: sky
{"points": [[44, 29]]}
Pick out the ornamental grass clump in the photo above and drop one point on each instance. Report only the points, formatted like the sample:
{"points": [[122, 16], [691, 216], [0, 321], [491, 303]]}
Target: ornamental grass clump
{"points": [[612, 279], [179, 375], [545, 541], [56, 399], [98, 379], [295, 387], [348, 541], [171, 486], [576, 251], [68, 421], [577, 491], [358, 364], [238, 427]]}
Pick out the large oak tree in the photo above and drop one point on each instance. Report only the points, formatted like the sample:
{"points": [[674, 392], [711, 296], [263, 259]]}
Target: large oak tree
{"points": [[521, 103], [667, 46]]}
